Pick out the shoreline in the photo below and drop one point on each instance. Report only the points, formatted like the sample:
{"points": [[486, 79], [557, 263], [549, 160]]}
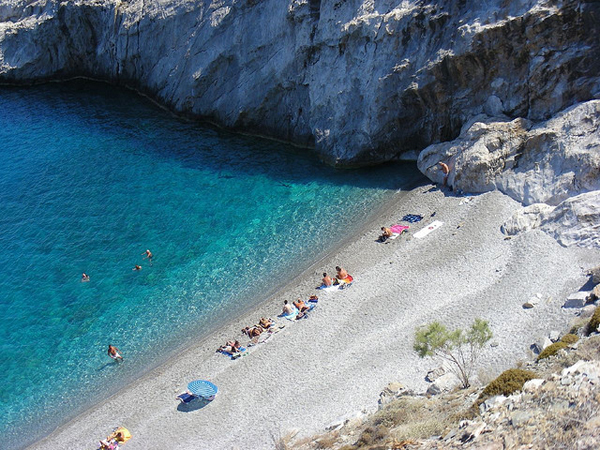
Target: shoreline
{"points": [[255, 310], [355, 341]]}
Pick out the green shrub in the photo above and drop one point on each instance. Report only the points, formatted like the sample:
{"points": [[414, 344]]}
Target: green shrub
{"points": [[552, 350], [506, 383], [569, 339], [594, 322]]}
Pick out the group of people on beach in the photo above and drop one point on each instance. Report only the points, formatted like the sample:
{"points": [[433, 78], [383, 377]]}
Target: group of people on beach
{"points": [[295, 310], [342, 277]]}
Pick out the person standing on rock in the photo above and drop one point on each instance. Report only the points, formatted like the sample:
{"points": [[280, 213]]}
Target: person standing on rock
{"points": [[445, 171]]}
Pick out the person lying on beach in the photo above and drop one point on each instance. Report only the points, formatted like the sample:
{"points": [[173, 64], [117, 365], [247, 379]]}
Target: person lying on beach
{"points": [[287, 308], [108, 445], [114, 353], [327, 281], [252, 332], [386, 233], [301, 305], [230, 347], [265, 323]]}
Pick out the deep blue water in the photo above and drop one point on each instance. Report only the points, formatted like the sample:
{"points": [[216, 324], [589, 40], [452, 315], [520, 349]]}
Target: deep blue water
{"points": [[90, 177]]}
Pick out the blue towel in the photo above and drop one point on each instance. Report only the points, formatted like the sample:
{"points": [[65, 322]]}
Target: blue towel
{"points": [[412, 218], [292, 315], [242, 349], [186, 398]]}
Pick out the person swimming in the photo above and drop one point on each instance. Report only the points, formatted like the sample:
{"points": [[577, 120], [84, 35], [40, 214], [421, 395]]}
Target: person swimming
{"points": [[85, 278], [149, 255], [114, 353], [137, 267]]}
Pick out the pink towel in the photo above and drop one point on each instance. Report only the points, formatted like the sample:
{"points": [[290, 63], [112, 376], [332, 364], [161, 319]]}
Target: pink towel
{"points": [[398, 228]]}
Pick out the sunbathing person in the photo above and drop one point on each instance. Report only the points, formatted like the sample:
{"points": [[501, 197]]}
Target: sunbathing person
{"points": [[301, 305], [287, 308], [386, 233], [327, 281], [230, 347], [265, 323], [341, 273], [252, 332]]}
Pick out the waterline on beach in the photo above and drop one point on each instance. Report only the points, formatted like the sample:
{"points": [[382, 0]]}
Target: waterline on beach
{"points": [[92, 178]]}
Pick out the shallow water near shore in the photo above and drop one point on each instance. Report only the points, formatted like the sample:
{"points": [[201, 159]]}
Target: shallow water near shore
{"points": [[91, 177]]}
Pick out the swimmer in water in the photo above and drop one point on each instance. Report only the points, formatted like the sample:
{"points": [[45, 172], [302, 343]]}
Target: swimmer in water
{"points": [[114, 353], [149, 255], [85, 278]]}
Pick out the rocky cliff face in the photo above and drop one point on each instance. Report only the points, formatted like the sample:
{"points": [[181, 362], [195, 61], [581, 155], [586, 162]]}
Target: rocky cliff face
{"points": [[362, 81]]}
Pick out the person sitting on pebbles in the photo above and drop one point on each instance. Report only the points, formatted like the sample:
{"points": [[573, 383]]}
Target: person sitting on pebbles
{"points": [[287, 308], [341, 273]]}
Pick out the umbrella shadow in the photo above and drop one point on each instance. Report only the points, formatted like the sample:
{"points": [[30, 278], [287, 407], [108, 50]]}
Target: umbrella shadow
{"points": [[194, 405]]}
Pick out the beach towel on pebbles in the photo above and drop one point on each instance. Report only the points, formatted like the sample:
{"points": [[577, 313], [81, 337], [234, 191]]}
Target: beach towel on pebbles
{"points": [[242, 352], [397, 230], [428, 229], [412, 218], [331, 288]]}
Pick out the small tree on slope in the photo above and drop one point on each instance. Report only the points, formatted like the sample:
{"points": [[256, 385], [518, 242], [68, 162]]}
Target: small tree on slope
{"points": [[461, 349]]}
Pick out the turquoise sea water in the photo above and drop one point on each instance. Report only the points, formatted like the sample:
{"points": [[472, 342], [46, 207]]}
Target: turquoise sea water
{"points": [[90, 177]]}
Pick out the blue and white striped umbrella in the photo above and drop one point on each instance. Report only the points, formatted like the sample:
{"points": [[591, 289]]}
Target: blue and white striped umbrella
{"points": [[203, 388]]}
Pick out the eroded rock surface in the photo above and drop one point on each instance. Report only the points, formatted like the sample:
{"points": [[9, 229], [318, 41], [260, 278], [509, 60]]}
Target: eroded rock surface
{"points": [[362, 81]]}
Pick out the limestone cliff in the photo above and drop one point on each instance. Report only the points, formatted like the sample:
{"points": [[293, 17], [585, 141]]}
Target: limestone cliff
{"points": [[495, 88], [361, 80]]}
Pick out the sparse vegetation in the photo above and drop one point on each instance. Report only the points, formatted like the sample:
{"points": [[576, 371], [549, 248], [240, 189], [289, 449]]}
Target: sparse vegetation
{"points": [[508, 382], [569, 339], [459, 348], [594, 322], [552, 350]]}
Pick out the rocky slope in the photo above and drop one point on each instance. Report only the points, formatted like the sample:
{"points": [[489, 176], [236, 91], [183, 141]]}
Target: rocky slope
{"points": [[503, 91]]}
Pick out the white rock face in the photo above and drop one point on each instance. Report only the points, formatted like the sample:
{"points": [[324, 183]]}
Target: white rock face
{"points": [[504, 92], [554, 167], [361, 81]]}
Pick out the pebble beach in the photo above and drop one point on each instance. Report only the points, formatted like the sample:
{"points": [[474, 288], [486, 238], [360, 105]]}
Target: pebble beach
{"points": [[333, 364]]}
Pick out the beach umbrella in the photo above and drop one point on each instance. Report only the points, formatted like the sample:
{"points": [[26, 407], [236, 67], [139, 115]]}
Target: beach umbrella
{"points": [[203, 388]]}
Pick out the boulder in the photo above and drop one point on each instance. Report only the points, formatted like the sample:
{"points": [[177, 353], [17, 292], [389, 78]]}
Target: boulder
{"points": [[595, 274], [434, 374], [576, 300], [541, 344], [533, 385]]}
